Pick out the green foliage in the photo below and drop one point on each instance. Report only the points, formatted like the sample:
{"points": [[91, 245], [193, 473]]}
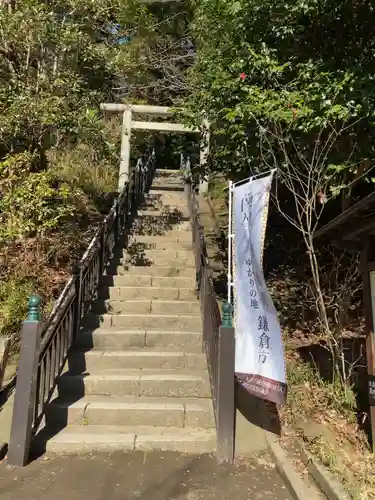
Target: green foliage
{"points": [[14, 296], [93, 181], [58, 156], [57, 63], [59, 69], [32, 203], [307, 71]]}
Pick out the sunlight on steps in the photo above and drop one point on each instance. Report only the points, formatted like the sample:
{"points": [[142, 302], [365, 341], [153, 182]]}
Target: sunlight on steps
{"points": [[138, 378]]}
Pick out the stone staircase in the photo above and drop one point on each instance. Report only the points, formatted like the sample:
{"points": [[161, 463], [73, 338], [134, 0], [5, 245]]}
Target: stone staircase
{"points": [[138, 378]]}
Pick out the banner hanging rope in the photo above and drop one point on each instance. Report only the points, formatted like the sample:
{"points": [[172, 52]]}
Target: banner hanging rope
{"points": [[230, 187]]}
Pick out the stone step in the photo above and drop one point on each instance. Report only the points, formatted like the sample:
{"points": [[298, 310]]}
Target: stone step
{"points": [[144, 321], [152, 228], [135, 358], [97, 438], [132, 411], [148, 280], [141, 251], [166, 192], [182, 242], [142, 259], [173, 205], [111, 306], [177, 282], [144, 226], [147, 293], [169, 179], [163, 214], [180, 233], [164, 272], [167, 197], [118, 339], [164, 201], [157, 195], [162, 227], [167, 186], [120, 382], [172, 216], [167, 172]]}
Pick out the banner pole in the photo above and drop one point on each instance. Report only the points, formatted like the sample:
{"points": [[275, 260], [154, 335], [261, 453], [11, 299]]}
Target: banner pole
{"points": [[254, 177], [230, 236]]}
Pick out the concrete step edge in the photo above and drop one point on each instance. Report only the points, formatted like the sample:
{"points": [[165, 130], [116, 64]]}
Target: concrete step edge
{"points": [[139, 351], [144, 315], [158, 271], [154, 288], [144, 321], [133, 374], [129, 402], [114, 430], [142, 351], [174, 188], [172, 253], [147, 301], [100, 437], [145, 357], [125, 262], [139, 411], [133, 238], [150, 277], [119, 308], [142, 212], [124, 331]]}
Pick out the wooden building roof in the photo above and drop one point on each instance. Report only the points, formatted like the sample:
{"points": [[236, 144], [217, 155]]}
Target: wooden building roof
{"points": [[353, 226]]}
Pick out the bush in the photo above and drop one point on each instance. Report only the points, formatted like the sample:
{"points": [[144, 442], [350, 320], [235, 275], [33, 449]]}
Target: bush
{"points": [[14, 296], [32, 203]]}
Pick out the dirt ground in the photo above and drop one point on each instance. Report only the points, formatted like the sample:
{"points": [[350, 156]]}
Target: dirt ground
{"points": [[142, 476]]}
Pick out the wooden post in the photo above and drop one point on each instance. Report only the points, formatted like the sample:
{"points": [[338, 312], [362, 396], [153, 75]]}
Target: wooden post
{"points": [[225, 403], [369, 324], [125, 148], [204, 152], [4, 354], [23, 410]]}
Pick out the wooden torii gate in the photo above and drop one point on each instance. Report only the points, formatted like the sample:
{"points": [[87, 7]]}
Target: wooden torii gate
{"points": [[129, 124]]}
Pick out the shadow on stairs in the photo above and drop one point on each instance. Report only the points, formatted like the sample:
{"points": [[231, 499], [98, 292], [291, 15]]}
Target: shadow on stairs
{"points": [[137, 378]]}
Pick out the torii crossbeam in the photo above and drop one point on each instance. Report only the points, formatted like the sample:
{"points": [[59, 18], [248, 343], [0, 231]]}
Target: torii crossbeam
{"points": [[128, 124]]}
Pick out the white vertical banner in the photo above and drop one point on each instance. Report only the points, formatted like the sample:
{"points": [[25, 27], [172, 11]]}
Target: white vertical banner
{"points": [[259, 365]]}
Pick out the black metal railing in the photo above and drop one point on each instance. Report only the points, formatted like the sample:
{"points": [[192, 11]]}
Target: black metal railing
{"points": [[45, 346], [218, 337]]}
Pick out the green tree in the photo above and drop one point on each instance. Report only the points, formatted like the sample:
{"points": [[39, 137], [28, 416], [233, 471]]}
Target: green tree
{"points": [[289, 85], [58, 157], [265, 62]]}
